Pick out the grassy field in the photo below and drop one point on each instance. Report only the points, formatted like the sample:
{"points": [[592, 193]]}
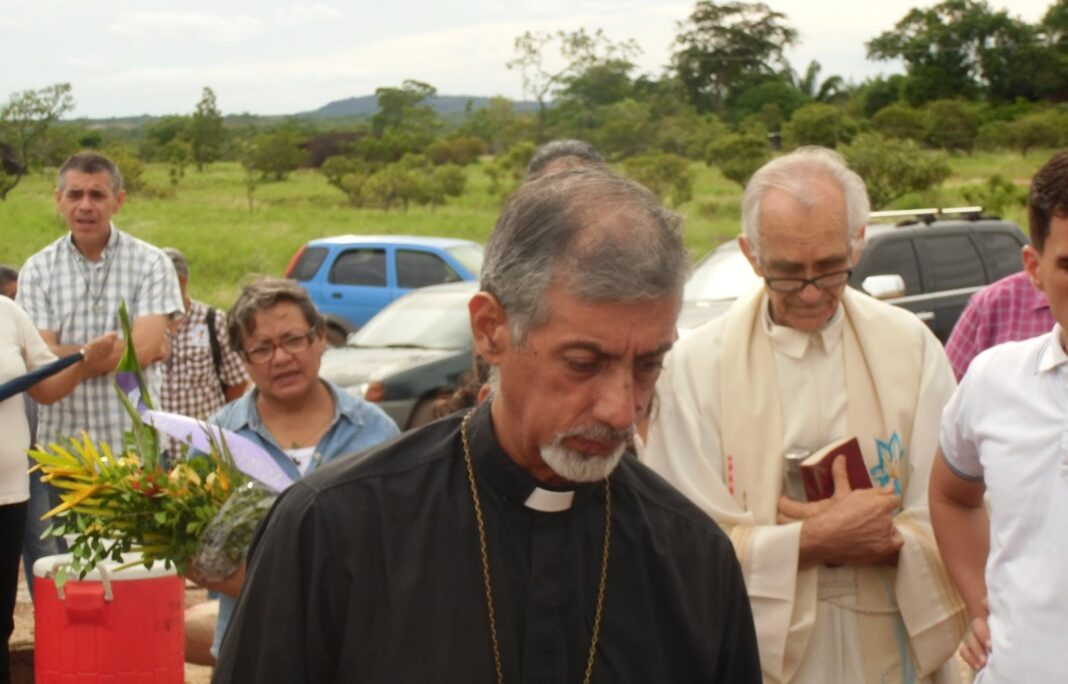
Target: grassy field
{"points": [[209, 218]]}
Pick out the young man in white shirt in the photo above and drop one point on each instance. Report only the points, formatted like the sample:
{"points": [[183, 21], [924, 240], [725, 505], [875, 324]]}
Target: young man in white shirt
{"points": [[1005, 436]]}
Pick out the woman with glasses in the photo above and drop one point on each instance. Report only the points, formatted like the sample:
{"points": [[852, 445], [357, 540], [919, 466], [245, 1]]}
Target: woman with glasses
{"points": [[301, 420]]}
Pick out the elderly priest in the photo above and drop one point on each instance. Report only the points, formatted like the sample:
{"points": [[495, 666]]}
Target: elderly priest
{"points": [[521, 541]]}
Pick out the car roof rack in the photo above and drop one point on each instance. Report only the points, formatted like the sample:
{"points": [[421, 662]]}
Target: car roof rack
{"points": [[908, 217]]}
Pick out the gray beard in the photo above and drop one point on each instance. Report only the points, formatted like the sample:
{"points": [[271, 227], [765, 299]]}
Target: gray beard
{"points": [[576, 466]]}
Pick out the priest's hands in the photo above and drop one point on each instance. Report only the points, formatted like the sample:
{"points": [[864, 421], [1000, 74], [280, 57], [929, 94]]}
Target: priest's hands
{"points": [[853, 527]]}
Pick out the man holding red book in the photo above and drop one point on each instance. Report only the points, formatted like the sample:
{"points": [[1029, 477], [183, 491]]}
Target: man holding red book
{"points": [[848, 588]]}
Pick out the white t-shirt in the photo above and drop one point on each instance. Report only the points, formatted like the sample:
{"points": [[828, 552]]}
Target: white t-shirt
{"points": [[21, 350], [1007, 426]]}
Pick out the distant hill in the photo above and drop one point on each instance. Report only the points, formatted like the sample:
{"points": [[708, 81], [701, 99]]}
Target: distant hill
{"points": [[444, 105], [450, 107]]}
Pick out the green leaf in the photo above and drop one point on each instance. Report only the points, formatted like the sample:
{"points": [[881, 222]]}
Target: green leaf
{"points": [[161, 517]]}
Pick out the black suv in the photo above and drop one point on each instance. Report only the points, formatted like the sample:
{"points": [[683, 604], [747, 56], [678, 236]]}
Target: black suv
{"points": [[942, 258], [929, 261]]}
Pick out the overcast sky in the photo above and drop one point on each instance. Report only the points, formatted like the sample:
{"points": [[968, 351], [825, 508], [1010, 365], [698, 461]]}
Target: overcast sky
{"points": [[130, 57]]}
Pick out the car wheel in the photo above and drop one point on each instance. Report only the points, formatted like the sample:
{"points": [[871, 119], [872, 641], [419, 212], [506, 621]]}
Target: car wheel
{"points": [[423, 412]]}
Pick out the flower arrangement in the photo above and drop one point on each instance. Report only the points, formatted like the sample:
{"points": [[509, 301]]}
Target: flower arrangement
{"points": [[131, 502], [114, 505]]}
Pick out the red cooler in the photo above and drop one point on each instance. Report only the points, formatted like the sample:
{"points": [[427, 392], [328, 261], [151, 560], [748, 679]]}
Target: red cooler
{"points": [[114, 626]]}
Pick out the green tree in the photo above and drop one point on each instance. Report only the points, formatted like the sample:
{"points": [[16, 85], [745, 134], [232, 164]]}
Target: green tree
{"points": [[25, 123], [723, 49], [246, 156], [995, 195], [951, 125], [160, 132], [829, 90], [277, 153], [1041, 129], [206, 132], [578, 50], [774, 101], [498, 125], [460, 150], [963, 48], [818, 124], [667, 175], [404, 110], [899, 120], [132, 168], [738, 156], [177, 153], [880, 92], [893, 167]]}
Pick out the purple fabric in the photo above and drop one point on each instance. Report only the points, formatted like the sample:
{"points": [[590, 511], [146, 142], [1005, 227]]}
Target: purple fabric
{"points": [[249, 457], [1010, 309], [128, 383]]}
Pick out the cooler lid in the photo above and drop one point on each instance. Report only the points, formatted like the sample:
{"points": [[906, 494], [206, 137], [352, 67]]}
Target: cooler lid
{"points": [[44, 567]]}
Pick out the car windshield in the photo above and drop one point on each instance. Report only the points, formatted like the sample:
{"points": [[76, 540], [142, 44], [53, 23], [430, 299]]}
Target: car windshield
{"points": [[434, 320], [468, 255], [724, 274]]}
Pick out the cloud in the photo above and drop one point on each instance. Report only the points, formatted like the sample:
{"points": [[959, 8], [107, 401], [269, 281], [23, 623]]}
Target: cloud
{"points": [[299, 12], [145, 26]]}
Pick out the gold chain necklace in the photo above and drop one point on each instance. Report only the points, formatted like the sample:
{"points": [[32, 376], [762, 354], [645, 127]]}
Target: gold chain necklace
{"points": [[486, 571]]}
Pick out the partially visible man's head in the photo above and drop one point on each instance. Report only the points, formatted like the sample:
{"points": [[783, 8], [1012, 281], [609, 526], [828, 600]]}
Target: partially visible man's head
{"points": [[1046, 258], [582, 282], [1048, 198], [561, 155], [803, 217], [9, 281], [88, 193], [603, 237], [181, 266]]}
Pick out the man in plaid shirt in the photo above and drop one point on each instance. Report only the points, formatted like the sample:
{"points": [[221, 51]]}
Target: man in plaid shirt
{"points": [[202, 371], [1008, 310], [72, 288]]}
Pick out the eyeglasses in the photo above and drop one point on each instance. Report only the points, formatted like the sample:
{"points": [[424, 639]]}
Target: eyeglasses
{"points": [[294, 344], [822, 282]]}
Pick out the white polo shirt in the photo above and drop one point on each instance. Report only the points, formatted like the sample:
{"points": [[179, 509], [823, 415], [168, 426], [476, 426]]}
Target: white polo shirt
{"points": [[1007, 426]]}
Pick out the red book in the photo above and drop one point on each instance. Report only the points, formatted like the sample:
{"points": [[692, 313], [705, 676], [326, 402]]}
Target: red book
{"points": [[816, 468]]}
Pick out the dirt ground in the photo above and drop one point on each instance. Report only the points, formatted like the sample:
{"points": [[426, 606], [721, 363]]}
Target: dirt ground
{"points": [[22, 638]]}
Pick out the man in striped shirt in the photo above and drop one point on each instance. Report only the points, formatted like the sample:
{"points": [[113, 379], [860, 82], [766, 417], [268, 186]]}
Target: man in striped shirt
{"points": [[72, 288], [1008, 310]]}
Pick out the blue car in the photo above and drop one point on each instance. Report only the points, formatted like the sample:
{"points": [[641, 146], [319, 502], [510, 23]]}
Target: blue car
{"points": [[352, 277]]}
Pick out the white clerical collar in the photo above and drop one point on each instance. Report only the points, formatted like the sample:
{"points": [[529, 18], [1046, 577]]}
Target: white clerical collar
{"points": [[548, 501], [794, 343]]}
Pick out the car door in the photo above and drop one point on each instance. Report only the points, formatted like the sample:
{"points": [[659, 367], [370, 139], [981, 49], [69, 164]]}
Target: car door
{"points": [[357, 285], [952, 271], [895, 254]]}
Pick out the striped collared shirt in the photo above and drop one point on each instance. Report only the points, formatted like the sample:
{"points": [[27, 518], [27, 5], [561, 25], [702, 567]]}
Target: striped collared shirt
{"points": [[78, 300], [191, 385]]}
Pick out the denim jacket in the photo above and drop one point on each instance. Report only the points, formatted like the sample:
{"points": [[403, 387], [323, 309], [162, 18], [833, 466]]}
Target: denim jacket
{"points": [[357, 426]]}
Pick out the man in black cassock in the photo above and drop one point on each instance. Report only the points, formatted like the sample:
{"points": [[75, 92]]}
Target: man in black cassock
{"points": [[520, 541]]}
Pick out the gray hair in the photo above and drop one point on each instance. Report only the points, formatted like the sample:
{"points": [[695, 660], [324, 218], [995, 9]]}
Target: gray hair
{"points": [[90, 162], [181, 266], [560, 155], [604, 237], [795, 174], [261, 295]]}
